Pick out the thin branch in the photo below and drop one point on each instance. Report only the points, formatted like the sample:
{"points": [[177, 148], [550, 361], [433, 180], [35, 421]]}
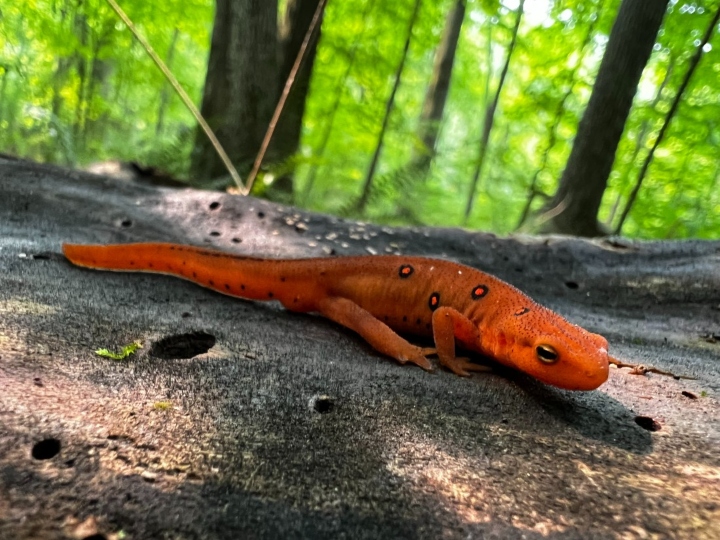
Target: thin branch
{"points": [[283, 98], [640, 139], [671, 113], [338, 94], [490, 115], [181, 92], [367, 184]]}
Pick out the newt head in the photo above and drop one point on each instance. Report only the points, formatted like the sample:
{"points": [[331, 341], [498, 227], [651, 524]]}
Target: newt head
{"points": [[542, 344]]}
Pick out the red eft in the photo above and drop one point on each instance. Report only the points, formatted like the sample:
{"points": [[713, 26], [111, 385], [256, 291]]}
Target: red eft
{"points": [[377, 296]]}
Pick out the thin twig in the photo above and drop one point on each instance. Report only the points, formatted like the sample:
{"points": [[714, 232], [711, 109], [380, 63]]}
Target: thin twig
{"points": [[181, 92], [490, 115], [338, 93], [694, 61], [640, 369], [283, 97], [367, 188]]}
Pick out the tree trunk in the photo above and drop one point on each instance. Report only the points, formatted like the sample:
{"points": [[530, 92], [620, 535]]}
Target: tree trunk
{"points": [[81, 66], [240, 90], [3, 90], [367, 184], [165, 92], [100, 71], [575, 205], [437, 92], [286, 139], [560, 110], [490, 115]]}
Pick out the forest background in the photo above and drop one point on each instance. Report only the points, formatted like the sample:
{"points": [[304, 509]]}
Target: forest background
{"points": [[373, 136]]}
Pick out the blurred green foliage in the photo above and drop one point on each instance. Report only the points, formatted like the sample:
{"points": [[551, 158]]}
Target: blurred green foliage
{"points": [[75, 88]]}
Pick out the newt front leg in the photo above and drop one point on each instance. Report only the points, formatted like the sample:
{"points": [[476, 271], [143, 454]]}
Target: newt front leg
{"points": [[379, 335], [449, 324]]}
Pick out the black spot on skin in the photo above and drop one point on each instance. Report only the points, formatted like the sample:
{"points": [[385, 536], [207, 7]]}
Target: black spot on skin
{"points": [[172, 248], [405, 271], [242, 287], [270, 295], [404, 318], [434, 301], [428, 326], [214, 233], [261, 215], [479, 291], [386, 318], [282, 279], [522, 311], [572, 285], [227, 287], [212, 282], [150, 265], [214, 205], [132, 263], [236, 240], [418, 321], [194, 274]]}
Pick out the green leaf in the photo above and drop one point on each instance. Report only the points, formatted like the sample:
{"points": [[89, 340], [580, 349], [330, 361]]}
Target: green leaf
{"points": [[126, 351], [165, 405]]}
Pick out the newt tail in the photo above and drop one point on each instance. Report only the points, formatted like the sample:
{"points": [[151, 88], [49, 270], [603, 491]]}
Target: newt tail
{"points": [[379, 296]]}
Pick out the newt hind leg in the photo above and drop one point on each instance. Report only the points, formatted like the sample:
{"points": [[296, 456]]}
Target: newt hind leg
{"points": [[379, 335]]}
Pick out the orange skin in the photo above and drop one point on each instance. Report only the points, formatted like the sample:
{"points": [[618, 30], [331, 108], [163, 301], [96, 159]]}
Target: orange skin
{"points": [[378, 295]]}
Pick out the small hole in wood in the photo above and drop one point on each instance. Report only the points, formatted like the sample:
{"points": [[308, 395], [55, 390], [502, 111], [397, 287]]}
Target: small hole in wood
{"points": [[648, 423], [181, 346], [322, 404], [46, 449]]}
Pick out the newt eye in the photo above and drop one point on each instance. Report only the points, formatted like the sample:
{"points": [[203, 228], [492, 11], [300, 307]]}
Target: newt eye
{"points": [[546, 354]]}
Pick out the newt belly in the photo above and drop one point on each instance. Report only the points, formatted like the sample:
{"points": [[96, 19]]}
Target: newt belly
{"points": [[379, 296]]}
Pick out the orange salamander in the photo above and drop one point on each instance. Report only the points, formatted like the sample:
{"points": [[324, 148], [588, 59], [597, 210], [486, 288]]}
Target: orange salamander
{"points": [[377, 296]]}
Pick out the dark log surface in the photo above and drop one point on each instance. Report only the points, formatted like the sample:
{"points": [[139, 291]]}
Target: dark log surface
{"points": [[230, 443]]}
